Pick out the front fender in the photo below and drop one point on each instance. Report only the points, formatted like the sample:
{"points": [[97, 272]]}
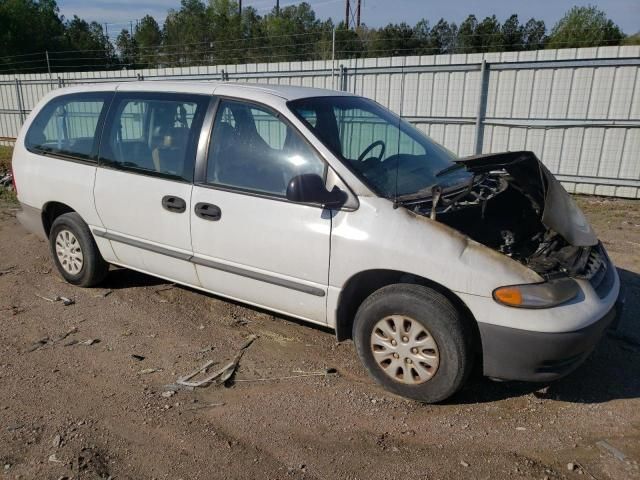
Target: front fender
{"points": [[377, 236]]}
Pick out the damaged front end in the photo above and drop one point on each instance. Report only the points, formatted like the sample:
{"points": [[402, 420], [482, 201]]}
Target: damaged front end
{"points": [[514, 205]]}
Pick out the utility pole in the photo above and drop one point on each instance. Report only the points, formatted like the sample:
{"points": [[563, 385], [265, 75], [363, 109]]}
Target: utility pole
{"points": [[277, 8], [347, 12], [352, 15], [240, 7]]}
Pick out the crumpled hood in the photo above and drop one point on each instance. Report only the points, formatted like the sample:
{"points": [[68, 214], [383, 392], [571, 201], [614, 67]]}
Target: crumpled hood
{"points": [[558, 211]]}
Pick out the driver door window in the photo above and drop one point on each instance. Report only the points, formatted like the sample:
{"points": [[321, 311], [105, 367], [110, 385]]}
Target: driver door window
{"points": [[252, 149]]}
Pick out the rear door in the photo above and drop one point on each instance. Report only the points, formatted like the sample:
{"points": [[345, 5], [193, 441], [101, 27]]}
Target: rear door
{"points": [[144, 180], [249, 242]]}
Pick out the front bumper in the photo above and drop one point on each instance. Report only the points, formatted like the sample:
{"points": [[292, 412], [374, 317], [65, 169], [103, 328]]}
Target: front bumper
{"points": [[514, 354]]}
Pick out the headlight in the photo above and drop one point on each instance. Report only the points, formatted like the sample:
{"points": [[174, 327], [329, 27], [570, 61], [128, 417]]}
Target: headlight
{"points": [[537, 295]]}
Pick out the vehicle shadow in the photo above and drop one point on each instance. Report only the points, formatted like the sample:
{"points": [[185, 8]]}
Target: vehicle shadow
{"points": [[121, 278], [611, 372]]}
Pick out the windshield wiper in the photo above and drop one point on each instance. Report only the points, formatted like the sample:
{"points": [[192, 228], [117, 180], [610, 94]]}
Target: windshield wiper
{"points": [[418, 197], [449, 169]]}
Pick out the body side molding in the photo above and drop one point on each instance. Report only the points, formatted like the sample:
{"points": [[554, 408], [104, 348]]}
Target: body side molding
{"points": [[262, 277]]}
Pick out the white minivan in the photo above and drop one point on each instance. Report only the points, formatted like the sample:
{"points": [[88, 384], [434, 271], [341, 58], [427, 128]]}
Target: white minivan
{"points": [[327, 207]]}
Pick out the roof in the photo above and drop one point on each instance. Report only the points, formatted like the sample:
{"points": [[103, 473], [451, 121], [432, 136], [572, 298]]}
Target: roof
{"points": [[287, 92]]}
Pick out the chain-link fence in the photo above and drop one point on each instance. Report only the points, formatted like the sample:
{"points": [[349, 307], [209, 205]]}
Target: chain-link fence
{"points": [[577, 109]]}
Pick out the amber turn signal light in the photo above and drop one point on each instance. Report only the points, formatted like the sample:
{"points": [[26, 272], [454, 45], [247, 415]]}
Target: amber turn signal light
{"points": [[508, 296], [538, 295]]}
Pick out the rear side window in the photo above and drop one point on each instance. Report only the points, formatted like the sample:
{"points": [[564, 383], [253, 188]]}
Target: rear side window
{"points": [[154, 134], [68, 125], [253, 149]]}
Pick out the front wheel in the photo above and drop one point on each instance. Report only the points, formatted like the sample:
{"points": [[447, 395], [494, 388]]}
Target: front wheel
{"points": [[75, 252], [414, 342]]}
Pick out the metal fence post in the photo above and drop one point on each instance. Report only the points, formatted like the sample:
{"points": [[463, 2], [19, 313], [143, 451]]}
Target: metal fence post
{"points": [[482, 107], [342, 80], [46, 53], [19, 98]]}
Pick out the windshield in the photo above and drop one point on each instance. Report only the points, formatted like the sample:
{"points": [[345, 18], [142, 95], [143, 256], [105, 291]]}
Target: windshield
{"points": [[393, 157]]}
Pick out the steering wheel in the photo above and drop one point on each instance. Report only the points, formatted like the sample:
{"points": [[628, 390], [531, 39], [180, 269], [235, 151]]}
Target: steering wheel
{"points": [[377, 143]]}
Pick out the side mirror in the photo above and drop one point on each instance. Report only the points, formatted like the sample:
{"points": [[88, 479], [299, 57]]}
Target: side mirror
{"points": [[310, 188]]}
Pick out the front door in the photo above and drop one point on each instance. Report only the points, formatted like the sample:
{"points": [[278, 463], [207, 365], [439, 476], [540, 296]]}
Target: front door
{"points": [[249, 242], [144, 180]]}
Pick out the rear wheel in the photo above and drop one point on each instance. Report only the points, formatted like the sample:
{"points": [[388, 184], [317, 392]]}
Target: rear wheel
{"points": [[414, 342], [75, 252]]}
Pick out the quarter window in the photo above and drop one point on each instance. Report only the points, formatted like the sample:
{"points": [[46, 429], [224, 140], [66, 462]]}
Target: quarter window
{"points": [[67, 126], [154, 134], [253, 149]]}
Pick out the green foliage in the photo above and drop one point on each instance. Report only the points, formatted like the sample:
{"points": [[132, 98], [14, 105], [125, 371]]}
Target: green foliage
{"points": [[442, 38], [147, 40], [28, 26], [632, 39], [8, 196], [208, 32], [128, 48], [87, 47], [584, 27], [5, 158], [534, 34]]}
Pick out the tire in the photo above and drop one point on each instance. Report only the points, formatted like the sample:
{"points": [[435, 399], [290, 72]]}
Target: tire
{"points": [[86, 267], [429, 362]]}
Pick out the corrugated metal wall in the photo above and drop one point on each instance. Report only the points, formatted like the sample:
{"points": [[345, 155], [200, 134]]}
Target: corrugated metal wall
{"points": [[577, 109]]}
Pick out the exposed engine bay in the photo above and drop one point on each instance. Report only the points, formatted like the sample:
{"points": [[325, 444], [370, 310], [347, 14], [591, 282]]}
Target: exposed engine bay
{"points": [[514, 205]]}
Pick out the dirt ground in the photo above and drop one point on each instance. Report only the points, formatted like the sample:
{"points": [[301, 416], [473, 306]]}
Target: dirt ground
{"points": [[83, 407]]}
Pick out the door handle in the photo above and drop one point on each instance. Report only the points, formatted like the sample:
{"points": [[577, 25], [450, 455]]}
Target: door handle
{"points": [[174, 204], [207, 211]]}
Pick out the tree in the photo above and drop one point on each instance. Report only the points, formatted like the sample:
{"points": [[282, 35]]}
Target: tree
{"points": [[205, 32], [29, 27], [186, 35], [88, 47], [226, 32], [349, 43], [534, 34], [422, 33], [148, 39], [466, 40], [488, 35], [442, 38], [584, 27], [127, 49], [512, 34], [294, 33], [632, 39], [396, 39], [253, 33]]}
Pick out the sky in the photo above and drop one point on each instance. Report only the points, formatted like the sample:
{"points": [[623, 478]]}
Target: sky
{"points": [[118, 13]]}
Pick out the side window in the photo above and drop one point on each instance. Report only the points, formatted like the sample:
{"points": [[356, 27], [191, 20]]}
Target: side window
{"points": [[252, 149], [68, 125], [154, 133]]}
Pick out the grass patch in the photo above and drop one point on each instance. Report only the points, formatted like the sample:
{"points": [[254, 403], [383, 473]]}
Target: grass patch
{"points": [[8, 196], [5, 158]]}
